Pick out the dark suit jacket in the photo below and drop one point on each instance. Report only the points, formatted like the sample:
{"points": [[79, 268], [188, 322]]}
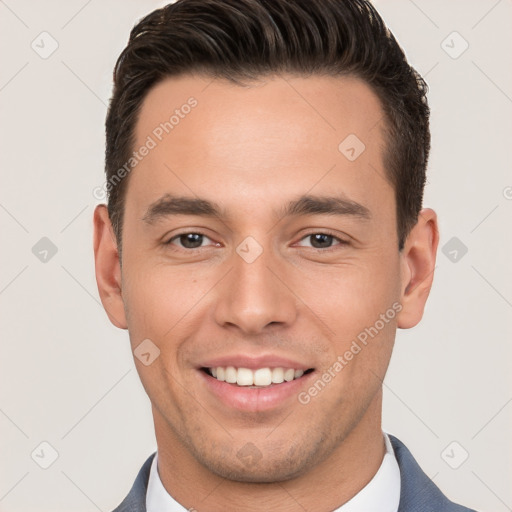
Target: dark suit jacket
{"points": [[418, 493]]}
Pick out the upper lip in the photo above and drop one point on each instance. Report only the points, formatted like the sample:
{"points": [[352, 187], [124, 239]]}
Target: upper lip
{"points": [[255, 362]]}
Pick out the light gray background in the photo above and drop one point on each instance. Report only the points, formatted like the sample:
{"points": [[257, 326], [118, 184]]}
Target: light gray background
{"points": [[67, 376]]}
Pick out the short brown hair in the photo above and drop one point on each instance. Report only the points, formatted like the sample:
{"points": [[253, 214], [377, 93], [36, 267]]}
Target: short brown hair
{"points": [[247, 39]]}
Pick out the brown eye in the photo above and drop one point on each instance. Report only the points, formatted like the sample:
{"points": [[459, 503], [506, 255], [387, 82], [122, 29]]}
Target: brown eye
{"points": [[322, 240], [188, 240]]}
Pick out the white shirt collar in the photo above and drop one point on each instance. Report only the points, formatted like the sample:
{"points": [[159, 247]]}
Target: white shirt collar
{"points": [[381, 494]]}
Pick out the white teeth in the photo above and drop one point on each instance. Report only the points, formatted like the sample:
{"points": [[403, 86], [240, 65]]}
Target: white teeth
{"points": [[244, 377], [289, 374], [260, 377], [230, 374], [277, 375]]}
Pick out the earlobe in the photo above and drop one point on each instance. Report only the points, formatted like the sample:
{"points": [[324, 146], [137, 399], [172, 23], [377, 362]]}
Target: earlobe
{"points": [[108, 268], [418, 261]]}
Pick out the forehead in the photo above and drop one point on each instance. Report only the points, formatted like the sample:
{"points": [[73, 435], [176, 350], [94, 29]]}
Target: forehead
{"points": [[281, 135]]}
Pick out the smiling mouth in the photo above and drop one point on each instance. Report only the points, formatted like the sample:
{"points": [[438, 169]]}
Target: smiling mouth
{"points": [[259, 378]]}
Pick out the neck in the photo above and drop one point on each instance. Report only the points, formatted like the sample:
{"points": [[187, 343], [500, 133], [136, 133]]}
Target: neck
{"points": [[327, 486]]}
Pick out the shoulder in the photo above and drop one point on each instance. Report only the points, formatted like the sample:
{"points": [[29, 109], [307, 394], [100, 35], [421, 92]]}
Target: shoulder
{"points": [[418, 493], [135, 501]]}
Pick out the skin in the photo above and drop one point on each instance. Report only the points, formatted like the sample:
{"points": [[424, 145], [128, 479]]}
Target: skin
{"points": [[252, 149]]}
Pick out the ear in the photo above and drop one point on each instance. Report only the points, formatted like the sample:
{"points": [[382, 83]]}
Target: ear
{"points": [[418, 259], [108, 267]]}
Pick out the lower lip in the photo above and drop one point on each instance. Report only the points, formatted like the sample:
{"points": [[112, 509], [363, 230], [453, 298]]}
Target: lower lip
{"points": [[254, 399]]}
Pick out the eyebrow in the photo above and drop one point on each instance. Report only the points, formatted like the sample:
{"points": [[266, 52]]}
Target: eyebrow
{"points": [[170, 205]]}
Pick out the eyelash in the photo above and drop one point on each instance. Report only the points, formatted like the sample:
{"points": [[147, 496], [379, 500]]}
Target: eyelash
{"points": [[340, 241]]}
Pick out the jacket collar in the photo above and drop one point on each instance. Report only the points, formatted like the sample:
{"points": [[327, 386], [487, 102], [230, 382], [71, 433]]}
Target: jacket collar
{"points": [[418, 493]]}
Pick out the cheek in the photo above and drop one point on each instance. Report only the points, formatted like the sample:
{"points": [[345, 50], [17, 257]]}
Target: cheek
{"points": [[161, 301], [359, 304], [352, 297]]}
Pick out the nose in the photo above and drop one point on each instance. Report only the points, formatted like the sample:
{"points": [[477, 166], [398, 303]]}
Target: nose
{"points": [[255, 296]]}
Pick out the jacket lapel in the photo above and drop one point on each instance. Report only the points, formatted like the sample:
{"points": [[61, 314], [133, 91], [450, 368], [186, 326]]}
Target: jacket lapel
{"points": [[418, 493], [136, 499]]}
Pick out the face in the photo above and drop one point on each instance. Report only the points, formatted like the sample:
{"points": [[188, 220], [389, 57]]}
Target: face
{"points": [[257, 249]]}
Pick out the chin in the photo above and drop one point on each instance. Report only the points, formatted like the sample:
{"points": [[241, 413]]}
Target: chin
{"points": [[250, 465], [262, 473]]}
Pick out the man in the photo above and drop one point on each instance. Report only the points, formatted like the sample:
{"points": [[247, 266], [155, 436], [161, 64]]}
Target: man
{"points": [[263, 240]]}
